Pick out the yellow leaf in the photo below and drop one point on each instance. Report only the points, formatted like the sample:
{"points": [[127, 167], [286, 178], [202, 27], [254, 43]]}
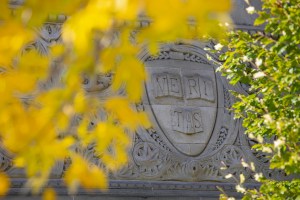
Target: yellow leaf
{"points": [[80, 102], [57, 50], [153, 48], [82, 173], [4, 184], [49, 194], [144, 120], [4, 10], [19, 161], [13, 36]]}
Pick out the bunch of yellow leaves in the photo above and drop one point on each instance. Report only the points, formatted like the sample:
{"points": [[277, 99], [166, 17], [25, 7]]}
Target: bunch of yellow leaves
{"points": [[99, 36]]}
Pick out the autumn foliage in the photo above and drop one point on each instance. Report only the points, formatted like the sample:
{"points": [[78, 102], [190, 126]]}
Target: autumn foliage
{"points": [[98, 37]]}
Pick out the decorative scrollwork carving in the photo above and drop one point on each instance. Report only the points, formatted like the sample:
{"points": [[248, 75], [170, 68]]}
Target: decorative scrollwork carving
{"points": [[231, 157], [259, 155], [49, 34], [152, 132], [227, 101], [166, 55], [98, 83], [5, 161], [163, 55], [222, 137]]}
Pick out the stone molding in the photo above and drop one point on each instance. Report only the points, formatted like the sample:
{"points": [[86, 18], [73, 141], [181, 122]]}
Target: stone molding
{"points": [[193, 133]]}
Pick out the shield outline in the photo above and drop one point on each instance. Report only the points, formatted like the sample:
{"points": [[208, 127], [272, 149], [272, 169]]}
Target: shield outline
{"points": [[223, 120]]}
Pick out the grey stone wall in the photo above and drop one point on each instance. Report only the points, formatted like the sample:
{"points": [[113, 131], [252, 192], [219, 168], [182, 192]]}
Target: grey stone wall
{"points": [[193, 132]]}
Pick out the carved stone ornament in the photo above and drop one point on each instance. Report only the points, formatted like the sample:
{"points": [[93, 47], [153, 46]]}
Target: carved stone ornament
{"points": [[189, 104], [193, 133], [191, 124]]}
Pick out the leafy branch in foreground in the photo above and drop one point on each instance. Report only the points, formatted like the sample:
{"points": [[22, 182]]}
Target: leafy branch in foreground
{"points": [[269, 63], [98, 37]]}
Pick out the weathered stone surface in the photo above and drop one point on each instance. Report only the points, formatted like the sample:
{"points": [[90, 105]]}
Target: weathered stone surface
{"points": [[183, 98], [193, 132]]}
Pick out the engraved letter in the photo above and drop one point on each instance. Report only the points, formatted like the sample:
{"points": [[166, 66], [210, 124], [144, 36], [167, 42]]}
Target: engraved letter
{"points": [[206, 89], [188, 123], [160, 83], [177, 120], [192, 90], [175, 85], [166, 85], [197, 122]]}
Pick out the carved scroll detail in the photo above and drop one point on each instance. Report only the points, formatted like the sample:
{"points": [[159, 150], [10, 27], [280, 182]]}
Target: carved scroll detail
{"points": [[166, 55]]}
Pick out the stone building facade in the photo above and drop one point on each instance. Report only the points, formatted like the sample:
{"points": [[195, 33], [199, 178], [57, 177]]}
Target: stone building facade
{"points": [[193, 134]]}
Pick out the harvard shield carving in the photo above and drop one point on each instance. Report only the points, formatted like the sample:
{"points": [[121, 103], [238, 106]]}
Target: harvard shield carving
{"points": [[182, 94]]}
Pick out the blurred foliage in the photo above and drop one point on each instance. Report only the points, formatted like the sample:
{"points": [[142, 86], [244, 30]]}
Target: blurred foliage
{"points": [[98, 37], [268, 63]]}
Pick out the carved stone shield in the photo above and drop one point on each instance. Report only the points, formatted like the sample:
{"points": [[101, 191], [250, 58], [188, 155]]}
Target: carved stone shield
{"points": [[183, 96]]}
